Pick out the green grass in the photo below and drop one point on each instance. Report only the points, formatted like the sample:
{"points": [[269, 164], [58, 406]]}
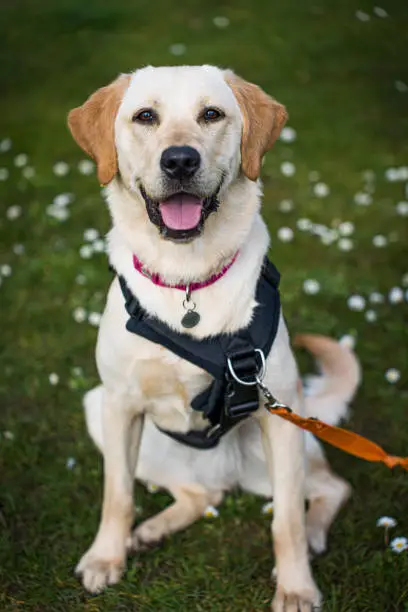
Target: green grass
{"points": [[336, 75]]}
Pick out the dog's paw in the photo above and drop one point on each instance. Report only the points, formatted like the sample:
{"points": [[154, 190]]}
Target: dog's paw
{"points": [[96, 572], [303, 599], [147, 535]]}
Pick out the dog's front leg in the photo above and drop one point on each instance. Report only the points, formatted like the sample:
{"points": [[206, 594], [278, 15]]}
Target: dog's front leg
{"points": [[104, 562], [283, 445]]}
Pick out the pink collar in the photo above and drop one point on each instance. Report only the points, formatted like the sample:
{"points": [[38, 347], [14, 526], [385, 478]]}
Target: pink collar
{"points": [[157, 280]]}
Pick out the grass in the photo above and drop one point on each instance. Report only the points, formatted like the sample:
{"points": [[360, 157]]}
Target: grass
{"points": [[337, 75]]}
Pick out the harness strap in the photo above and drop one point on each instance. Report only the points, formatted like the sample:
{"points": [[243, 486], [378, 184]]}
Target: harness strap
{"points": [[345, 440]]}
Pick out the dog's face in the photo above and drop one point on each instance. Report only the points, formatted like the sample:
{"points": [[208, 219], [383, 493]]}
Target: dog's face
{"points": [[179, 137]]}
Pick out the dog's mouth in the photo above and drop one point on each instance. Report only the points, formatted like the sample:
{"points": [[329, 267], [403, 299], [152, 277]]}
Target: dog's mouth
{"points": [[181, 216]]}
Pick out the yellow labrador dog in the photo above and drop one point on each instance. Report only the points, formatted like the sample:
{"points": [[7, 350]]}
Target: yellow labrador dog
{"points": [[180, 150]]}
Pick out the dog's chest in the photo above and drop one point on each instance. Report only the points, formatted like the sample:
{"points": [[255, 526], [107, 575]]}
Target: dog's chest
{"points": [[168, 384]]}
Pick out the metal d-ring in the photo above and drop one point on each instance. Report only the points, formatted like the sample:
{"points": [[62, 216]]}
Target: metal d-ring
{"points": [[259, 376]]}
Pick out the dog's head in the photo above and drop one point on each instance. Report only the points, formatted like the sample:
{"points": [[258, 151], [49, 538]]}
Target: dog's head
{"points": [[178, 137]]}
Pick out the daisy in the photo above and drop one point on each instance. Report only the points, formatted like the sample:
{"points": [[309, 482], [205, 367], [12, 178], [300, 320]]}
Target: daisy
{"points": [[311, 286], [392, 375], [387, 522], [152, 488], [321, 190], [288, 169], [285, 234], [54, 379], [211, 512], [356, 302], [267, 508], [398, 545]]}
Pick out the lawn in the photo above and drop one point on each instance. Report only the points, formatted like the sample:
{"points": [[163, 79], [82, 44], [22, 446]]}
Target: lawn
{"points": [[340, 67]]}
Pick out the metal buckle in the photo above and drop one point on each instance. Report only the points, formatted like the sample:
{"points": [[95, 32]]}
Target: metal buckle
{"points": [[258, 376]]}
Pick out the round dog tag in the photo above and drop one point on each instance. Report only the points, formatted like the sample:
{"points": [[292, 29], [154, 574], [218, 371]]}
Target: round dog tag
{"points": [[190, 319]]}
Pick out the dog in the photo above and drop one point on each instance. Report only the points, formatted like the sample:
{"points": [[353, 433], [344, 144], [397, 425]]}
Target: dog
{"points": [[179, 151]]}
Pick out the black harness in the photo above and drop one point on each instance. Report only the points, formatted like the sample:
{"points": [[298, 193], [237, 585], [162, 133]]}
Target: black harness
{"points": [[231, 359]]}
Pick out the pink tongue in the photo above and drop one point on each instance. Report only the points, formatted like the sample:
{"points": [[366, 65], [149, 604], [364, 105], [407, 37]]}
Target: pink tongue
{"points": [[181, 212]]}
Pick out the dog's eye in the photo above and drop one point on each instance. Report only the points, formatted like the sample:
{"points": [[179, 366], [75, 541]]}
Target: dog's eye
{"points": [[145, 116], [212, 114]]}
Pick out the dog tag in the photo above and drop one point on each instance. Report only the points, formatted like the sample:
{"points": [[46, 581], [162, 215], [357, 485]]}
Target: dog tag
{"points": [[190, 319]]}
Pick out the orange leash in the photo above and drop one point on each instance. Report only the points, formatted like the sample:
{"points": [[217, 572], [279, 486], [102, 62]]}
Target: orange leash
{"points": [[347, 441]]}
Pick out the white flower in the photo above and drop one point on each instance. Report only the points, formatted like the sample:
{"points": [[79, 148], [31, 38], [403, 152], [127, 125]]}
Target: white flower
{"points": [[287, 168], [99, 245], [380, 12], [8, 435], [63, 199], [392, 375], [81, 279], [152, 488], [86, 167], [91, 234], [362, 16], [267, 508], [94, 318], [70, 463], [380, 241], [288, 134], [396, 295], [53, 378], [4, 174], [61, 168], [59, 213], [311, 286], [376, 298], [356, 302], [285, 234], [304, 225], [401, 86], [386, 521], [371, 316], [345, 244], [211, 512], [20, 160], [314, 176], [346, 228], [318, 229], [363, 199], [286, 206], [221, 22], [86, 251], [402, 209], [79, 314], [13, 212], [5, 270], [77, 371], [348, 341], [329, 236], [398, 545], [18, 249], [177, 49], [321, 190], [28, 172], [5, 145], [391, 175]]}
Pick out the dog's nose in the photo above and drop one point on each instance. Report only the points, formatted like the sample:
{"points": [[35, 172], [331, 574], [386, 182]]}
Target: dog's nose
{"points": [[180, 162]]}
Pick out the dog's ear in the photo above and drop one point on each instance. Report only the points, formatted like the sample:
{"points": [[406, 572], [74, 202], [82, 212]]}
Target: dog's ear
{"points": [[263, 119], [92, 126]]}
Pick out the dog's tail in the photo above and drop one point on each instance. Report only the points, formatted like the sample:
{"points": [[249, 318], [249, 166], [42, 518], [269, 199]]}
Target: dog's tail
{"points": [[327, 396]]}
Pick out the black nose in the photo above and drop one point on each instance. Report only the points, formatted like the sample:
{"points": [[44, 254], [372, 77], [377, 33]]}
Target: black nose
{"points": [[180, 162]]}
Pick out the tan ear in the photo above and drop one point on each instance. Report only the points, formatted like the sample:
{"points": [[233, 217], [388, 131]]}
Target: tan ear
{"points": [[263, 119], [92, 126]]}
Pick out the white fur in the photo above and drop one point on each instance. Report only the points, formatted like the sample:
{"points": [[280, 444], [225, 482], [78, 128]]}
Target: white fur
{"points": [[142, 381]]}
